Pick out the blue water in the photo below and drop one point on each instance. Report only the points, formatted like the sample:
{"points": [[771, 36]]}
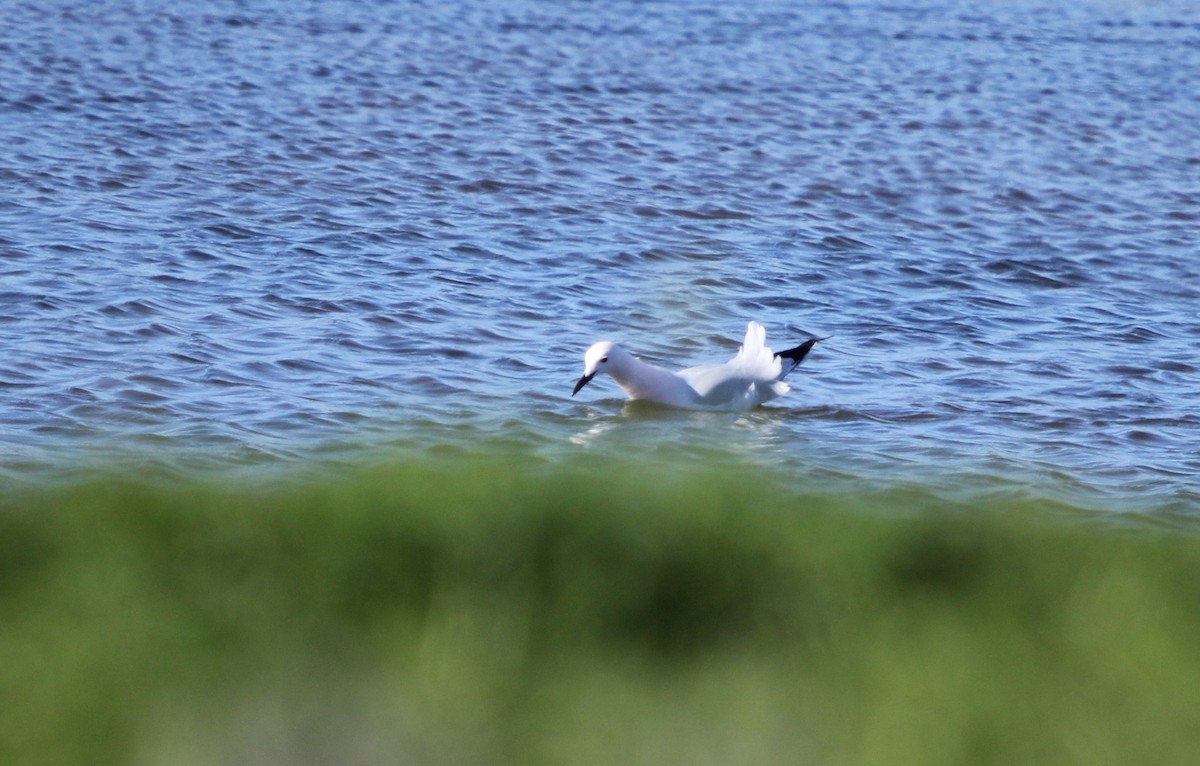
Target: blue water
{"points": [[276, 233]]}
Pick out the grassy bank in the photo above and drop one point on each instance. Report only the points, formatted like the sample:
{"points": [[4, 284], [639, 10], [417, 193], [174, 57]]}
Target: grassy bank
{"points": [[481, 613]]}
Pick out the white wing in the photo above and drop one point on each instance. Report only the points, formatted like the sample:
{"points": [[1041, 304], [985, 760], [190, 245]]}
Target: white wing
{"points": [[754, 360], [750, 378]]}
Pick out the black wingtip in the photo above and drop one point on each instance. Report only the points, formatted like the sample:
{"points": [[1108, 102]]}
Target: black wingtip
{"points": [[797, 354]]}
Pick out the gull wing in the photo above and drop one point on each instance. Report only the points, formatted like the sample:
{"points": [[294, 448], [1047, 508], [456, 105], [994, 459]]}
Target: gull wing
{"points": [[746, 377]]}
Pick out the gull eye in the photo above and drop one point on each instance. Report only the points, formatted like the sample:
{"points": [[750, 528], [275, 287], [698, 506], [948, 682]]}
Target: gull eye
{"points": [[603, 359]]}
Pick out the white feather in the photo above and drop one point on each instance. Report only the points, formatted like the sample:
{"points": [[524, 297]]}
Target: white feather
{"points": [[753, 376]]}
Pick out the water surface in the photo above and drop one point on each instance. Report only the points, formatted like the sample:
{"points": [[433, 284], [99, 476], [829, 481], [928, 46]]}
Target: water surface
{"points": [[271, 233]]}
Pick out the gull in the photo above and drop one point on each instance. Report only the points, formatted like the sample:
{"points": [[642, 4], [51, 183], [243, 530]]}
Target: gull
{"points": [[753, 376]]}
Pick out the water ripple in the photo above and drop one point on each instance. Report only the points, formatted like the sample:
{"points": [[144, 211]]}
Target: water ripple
{"points": [[262, 235]]}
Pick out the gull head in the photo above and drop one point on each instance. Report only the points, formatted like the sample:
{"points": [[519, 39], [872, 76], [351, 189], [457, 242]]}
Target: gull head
{"points": [[597, 359]]}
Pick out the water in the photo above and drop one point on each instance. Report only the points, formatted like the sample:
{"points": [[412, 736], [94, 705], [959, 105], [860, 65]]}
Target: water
{"points": [[273, 233]]}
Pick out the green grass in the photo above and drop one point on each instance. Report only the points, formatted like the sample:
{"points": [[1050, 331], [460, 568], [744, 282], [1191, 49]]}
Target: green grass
{"points": [[488, 613]]}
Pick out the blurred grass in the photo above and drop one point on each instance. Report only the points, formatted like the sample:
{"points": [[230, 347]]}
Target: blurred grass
{"points": [[489, 613]]}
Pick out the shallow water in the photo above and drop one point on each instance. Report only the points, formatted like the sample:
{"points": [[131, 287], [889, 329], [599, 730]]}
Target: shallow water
{"points": [[273, 233]]}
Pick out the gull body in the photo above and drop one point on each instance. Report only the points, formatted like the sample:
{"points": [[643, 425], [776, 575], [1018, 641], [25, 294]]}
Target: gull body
{"points": [[753, 376]]}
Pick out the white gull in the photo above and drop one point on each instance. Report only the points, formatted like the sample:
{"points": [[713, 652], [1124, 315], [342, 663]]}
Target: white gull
{"points": [[755, 375]]}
